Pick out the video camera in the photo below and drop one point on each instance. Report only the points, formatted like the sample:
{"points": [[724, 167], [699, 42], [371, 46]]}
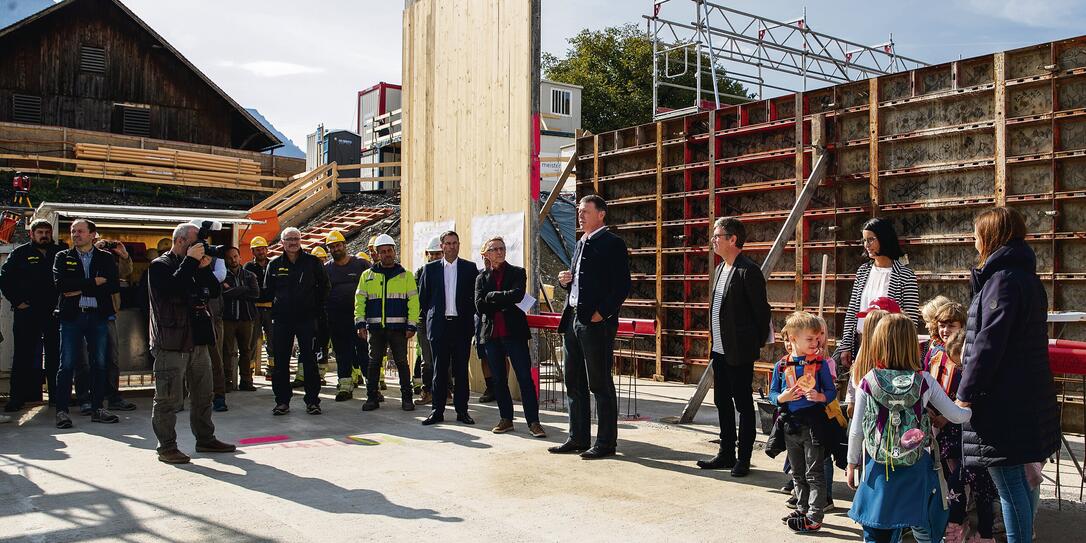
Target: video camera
{"points": [[206, 228]]}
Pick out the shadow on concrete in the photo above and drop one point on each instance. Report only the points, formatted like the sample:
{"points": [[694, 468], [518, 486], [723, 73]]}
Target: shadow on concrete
{"points": [[97, 512], [309, 491]]}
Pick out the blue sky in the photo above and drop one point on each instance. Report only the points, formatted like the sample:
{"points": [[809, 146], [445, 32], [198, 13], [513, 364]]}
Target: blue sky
{"points": [[302, 63]]}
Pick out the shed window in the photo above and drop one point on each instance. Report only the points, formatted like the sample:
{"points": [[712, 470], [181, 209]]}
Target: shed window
{"points": [[560, 101], [26, 108], [92, 59]]}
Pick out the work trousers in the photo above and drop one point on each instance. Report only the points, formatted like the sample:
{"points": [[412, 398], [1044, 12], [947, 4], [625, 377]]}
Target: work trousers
{"points": [[36, 332], [237, 352], [382, 340], [172, 370], [286, 330]]}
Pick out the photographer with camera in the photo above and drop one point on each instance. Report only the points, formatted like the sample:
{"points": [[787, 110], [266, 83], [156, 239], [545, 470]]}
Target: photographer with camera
{"points": [[298, 285], [180, 285]]}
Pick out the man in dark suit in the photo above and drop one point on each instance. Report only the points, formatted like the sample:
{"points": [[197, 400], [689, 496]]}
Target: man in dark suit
{"points": [[86, 278], [739, 327], [598, 283], [447, 303]]}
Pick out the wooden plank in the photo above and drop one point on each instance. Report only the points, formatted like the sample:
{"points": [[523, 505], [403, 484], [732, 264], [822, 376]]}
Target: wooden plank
{"points": [[873, 143], [999, 68], [660, 374], [66, 173], [557, 188]]}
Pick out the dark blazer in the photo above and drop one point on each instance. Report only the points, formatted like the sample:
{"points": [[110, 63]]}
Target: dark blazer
{"points": [[432, 298], [1006, 376], [603, 277], [489, 301], [69, 277], [744, 315]]}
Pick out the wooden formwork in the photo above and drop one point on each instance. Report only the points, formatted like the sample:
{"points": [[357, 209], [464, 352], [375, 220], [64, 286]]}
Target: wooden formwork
{"points": [[928, 148]]}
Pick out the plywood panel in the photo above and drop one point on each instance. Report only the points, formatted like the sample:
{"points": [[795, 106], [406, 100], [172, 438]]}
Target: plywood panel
{"points": [[467, 110]]}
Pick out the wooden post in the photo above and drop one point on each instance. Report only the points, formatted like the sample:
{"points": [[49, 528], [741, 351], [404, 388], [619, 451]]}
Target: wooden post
{"points": [[659, 375], [873, 143], [999, 62]]}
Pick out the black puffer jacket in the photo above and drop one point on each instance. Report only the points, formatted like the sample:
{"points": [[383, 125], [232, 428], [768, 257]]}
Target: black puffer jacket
{"points": [[1006, 375]]}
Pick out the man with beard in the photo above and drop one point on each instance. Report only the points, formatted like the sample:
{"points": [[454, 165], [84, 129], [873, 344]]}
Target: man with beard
{"points": [[262, 321], [26, 279], [239, 290], [344, 272]]}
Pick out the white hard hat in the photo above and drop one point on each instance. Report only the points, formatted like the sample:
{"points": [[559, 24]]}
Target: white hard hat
{"points": [[384, 239], [434, 246]]}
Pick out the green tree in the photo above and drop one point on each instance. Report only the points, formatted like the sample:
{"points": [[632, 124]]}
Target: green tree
{"points": [[614, 65]]}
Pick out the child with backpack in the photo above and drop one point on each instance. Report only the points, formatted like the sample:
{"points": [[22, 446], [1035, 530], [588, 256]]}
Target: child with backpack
{"points": [[801, 387], [945, 367], [889, 440]]}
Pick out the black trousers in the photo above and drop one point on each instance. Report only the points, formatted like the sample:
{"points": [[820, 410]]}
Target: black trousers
{"points": [[382, 340], [589, 352], [285, 330], [345, 343], [732, 393], [36, 332], [451, 353]]}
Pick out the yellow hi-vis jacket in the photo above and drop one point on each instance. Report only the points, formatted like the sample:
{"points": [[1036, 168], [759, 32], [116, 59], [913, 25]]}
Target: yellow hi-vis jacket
{"points": [[383, 302]]}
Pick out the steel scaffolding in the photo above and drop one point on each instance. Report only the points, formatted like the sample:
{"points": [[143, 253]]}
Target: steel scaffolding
{"points": [[721, 38]]}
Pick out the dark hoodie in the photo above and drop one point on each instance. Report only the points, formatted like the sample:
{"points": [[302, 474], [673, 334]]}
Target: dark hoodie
{"points": [[1006, 375]]}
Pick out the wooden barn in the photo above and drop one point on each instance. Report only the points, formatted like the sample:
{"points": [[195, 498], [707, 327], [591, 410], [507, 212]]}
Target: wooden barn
{"points": [[94, 65]]}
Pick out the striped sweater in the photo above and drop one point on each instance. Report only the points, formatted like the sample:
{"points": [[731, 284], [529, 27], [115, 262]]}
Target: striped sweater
{"points": [[902, 289]]}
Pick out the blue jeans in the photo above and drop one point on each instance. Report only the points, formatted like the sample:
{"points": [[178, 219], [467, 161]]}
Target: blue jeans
{"points": [[1018, 501], [878, 535], [94, 329], [521, 360]]}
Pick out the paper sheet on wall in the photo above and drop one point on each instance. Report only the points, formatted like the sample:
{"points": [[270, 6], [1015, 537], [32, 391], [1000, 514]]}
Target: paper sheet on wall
{"points": [[526, 304], [422, 233], [510, 226]]}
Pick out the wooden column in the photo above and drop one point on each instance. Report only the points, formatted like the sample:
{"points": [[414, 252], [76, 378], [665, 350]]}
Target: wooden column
{"points": [[999, 94], [659, 375], [873, 144]]}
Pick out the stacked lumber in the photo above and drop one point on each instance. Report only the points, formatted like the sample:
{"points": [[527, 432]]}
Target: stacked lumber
{"points": [[166, 164]]}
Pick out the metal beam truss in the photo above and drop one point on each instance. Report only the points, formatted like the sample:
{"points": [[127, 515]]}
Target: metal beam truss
{"points": [[721, 39]]}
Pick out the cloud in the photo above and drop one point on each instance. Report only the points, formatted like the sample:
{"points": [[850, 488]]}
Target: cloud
{"points": [[1036, 13], [272, 68]]}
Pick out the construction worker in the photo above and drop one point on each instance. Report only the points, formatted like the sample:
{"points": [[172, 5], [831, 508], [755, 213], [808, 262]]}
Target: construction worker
{"points": [[425, 361], [344, 273], [262, 322], [381, 374], [320, 338], [298, 286], [27, 282], [386, 311], [239, 290]]}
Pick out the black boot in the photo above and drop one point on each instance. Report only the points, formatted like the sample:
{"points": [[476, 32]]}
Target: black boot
{"points": [[722, 460], [488, 394]]}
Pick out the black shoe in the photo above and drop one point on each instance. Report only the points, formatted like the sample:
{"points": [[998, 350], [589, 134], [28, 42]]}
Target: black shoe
{"points": [[720, 461], [597, 452], [741, 469], [791, 503], [433, 418], [218, 404], [370, 405], [487, 396], [567, 448], [104, 416], [247, 387], [313, 409], [121, 404], [407, 404], [380, 397], [281, 409], [12, 407], [297, 384], [64, 421], [86, 410], [464, 418]]}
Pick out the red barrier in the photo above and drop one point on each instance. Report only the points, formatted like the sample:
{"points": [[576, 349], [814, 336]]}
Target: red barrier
{"points": [[626, 327]]}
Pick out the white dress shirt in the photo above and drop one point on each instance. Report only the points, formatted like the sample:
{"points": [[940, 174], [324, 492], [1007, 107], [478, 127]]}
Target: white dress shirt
{"points": [[450, 286], [575, 289]]}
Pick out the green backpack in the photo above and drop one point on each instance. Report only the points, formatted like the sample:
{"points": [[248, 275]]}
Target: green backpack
{"points": [[896, 409]]}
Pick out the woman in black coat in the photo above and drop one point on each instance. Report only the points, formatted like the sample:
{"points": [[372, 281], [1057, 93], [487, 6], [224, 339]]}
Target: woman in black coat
{"points": [[504, 331], [1006, 377]]}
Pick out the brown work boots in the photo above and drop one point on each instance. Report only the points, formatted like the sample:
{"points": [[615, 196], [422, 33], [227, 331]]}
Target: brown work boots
{"points": [[174, 456]]}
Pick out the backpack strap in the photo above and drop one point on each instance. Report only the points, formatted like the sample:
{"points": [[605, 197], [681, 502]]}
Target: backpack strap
{"points": [[870, 385]]}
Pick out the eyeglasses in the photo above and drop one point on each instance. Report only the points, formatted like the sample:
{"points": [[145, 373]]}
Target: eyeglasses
{"points": [[869, 241], [715, 236], [496, 250]]}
